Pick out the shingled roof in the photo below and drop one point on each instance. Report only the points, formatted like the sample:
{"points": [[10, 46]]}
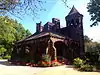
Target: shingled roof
{"points": [[42, 34], [73, 11]]}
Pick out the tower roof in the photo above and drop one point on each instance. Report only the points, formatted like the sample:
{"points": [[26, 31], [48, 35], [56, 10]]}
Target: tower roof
{"points": [[73, 11], [73, 14]]}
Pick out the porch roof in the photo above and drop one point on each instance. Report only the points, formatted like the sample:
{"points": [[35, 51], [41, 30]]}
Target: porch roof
{"points": [[42, 34]]}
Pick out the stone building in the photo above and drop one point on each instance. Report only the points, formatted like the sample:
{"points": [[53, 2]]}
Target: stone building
{"points": [[67, 42]]}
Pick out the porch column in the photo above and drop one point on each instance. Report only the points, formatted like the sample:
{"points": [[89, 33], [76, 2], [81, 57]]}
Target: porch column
{"points": [[55, 52], [51, 50]]}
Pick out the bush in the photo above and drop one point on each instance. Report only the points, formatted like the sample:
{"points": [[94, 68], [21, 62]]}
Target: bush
{"points": [[45, 62], [87, 67], [1, 57], [63, 60], [7, 57], [32, 61], [2, 50], [46, 58], [55, 63], [83, 65], [78, 62]]}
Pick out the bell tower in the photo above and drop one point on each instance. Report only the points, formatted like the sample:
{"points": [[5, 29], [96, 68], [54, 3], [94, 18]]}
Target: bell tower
{"points": [[74, 18], [74, 22]]}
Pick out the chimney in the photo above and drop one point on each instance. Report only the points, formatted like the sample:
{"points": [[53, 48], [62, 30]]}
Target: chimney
{"points": [[56, 22], [39, 27]]}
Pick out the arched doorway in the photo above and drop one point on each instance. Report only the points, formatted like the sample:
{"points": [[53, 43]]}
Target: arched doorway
{"points": [[62, 52], [61, 48]]}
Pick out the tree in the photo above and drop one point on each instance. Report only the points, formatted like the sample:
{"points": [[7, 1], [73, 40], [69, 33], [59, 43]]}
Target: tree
{"points": [[10, 32], [2, 50], [6, 30], [65, 2], [27, 33], [87, 39], [92, 50], [90, 46], [94, 10], [21, 8]]}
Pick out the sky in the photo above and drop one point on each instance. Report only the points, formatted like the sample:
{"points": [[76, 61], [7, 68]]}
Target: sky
{"points": [[57, 9]]}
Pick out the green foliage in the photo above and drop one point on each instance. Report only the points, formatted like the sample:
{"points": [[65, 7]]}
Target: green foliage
{"points": [[32, 61], [27, 33], [87, 67], [92, 50], [10, 32], [7, 57], [1, 58], [87, 39], [46, 58], [45, 62], [94, 10], [6, 30], [55, 64], [2, 50], [83, 65], [98, 66], [92, 47], [78, 62]]}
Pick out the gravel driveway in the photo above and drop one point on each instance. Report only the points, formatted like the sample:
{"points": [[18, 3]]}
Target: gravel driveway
{"points": [[7, 69]]}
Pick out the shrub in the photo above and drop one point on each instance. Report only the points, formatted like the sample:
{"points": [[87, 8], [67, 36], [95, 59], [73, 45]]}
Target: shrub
{"points": [[7, 57], [78, 62], [83, 65], [1, 57], [45, 62], [98, 66], [46, 58], [55, 63], [32, 61], [87, 67], [2, 50]]}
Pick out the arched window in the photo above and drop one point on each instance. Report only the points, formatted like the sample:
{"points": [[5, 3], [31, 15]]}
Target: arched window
{"points": [[80, 19], [72, 22], [68, 23], [77, 21]]}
